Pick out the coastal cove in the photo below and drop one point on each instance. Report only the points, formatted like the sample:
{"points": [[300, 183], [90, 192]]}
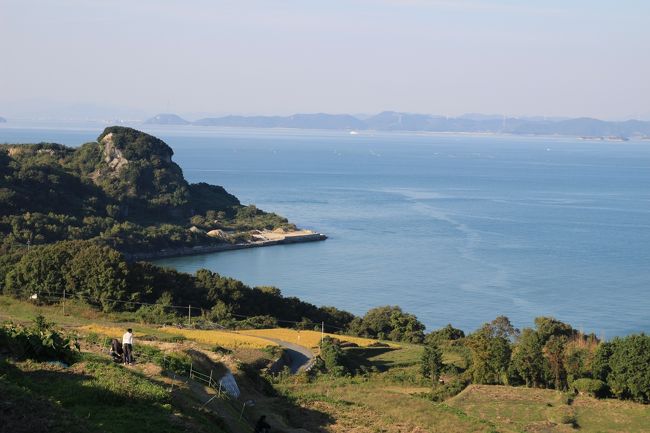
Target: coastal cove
{"points": [[453, 228]]}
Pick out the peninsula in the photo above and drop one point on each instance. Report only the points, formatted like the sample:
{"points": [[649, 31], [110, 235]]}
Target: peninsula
{"points": [[124, 191]]}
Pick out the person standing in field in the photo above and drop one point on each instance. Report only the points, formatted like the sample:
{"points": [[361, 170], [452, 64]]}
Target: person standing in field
{"points": [[127, 346]]}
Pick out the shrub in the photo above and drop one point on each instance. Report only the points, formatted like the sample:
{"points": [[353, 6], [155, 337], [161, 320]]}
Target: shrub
{"points": [[40, 342], [563, 415], [448, 390], [333, 356], [160, 313], [177, 362], [592, 387], [93, 338], [258, 322], [221, 350], [567, 398], [442, 335]]}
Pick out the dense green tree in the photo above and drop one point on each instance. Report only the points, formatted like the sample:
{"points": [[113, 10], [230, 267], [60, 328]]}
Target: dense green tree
{"points": [[391, 323], [554, 351], [548, 326], [579, 355], [600, 366], [333, 357], [447, 333], [630, 368], [221, 313], [97, 274], [490, 356], [502, 327], [528, 358], [41, 271], [431, 363]]}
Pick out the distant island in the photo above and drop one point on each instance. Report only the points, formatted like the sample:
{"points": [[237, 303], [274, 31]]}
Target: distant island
{"points": [[585, 127], [3, 120], [124, 191], [166, 119]]}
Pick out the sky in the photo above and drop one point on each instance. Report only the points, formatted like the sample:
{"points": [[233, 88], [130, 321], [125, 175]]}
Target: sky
{"points": [[134, 59]]}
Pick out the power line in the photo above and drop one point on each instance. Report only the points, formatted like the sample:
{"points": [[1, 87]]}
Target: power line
{"points": [[67, 296]]}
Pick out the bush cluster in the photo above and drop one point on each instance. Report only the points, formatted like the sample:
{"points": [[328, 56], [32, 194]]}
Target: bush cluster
{"points": [[40, 342]]}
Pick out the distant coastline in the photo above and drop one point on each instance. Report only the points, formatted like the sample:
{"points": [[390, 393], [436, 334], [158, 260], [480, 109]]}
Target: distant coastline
{"points": [[641, 134], [411, 122]]}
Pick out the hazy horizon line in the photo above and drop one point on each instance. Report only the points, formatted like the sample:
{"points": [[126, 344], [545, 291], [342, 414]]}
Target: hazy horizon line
{"points": [[143, 116]]}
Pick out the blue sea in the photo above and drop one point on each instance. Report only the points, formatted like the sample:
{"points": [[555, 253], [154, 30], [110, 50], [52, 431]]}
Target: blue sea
{"points": [[453, 228]]}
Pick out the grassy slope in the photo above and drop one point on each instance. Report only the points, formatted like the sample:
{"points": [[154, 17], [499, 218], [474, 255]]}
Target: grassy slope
{"points": [[94, 395], [524, 409], [385, 401]]}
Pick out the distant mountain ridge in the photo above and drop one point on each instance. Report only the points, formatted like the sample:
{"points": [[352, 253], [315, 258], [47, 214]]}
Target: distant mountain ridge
{"points": [[397, 121], [3, 120]]}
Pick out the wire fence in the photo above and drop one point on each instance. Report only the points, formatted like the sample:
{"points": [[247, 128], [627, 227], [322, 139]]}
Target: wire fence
{"points": [[225, 395], [213, 382], [63, 296]]}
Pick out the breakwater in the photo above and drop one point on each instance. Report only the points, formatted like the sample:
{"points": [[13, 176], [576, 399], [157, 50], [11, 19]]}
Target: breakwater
{"points": [[205, 249]]}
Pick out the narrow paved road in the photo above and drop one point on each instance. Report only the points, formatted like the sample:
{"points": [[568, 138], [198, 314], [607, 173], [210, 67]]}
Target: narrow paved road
{"points": [[300, 355]]}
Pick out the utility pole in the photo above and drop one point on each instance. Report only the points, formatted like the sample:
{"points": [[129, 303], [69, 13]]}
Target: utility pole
{"points": [[64, 301], [189, 315], [322, 334]]}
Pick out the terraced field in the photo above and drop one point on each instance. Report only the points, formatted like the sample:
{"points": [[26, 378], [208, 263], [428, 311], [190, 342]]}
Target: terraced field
{"points": [[229, 340], [305, 338]]}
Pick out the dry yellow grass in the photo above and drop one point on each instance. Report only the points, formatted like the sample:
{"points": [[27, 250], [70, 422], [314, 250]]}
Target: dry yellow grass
{"points": [[305, 338], [109, 331], [225, 339], [249, 339]]}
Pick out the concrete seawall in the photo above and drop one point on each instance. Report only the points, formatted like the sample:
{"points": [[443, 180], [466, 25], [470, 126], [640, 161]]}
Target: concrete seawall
{"points": [[205, 249]]}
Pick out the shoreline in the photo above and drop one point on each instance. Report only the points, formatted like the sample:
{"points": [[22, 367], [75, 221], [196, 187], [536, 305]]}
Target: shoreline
{"points": [[207, 249]]}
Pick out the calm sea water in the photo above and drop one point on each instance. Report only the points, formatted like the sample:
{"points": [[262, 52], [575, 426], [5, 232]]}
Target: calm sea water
{"points": [[453, 228]]}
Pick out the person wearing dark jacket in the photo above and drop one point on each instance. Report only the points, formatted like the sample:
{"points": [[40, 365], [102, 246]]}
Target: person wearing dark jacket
{"points": [[116, 351], [262, 426]]}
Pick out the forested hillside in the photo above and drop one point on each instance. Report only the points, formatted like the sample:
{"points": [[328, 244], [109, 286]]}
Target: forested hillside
{"points": [[123, 190]]}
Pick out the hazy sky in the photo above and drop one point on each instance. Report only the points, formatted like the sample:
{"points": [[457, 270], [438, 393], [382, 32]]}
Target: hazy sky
{"points": [[196, 57]]}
